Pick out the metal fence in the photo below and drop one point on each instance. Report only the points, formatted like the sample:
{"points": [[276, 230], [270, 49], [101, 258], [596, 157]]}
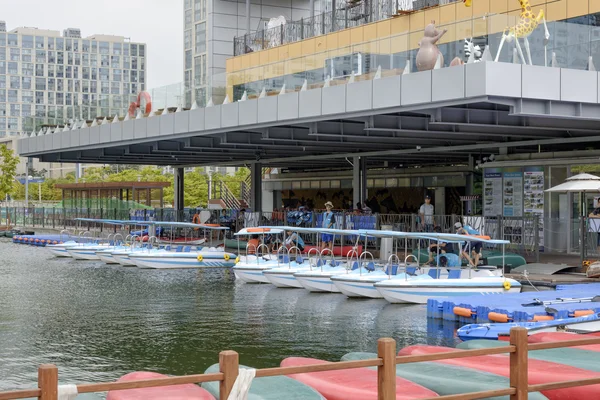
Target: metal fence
{"points": [[524, 233], [350, 14]]}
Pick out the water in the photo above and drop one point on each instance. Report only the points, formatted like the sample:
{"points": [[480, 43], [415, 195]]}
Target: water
{"points": [[98, 322]]}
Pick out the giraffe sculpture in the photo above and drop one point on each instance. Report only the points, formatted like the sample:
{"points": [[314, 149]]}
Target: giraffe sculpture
{"points": [[528, 22]]}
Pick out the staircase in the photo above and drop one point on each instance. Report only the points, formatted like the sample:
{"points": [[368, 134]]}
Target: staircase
{"points": [[223, 197]]}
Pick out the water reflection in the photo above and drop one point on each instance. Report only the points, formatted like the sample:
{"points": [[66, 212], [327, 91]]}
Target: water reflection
{"points": [[98, 322]]}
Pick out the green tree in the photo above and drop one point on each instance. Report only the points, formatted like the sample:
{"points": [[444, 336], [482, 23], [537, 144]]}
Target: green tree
{"points": [[8, 169]]}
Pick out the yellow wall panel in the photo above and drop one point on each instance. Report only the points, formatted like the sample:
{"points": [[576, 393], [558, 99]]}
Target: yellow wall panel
{"points": [[594, 6], [497, 23], [320, 43], [577, 8], [370, 32], [331, 41], [481, 7], [399, 44], [413, 39], [464, 30], [229, 64], [537, 2], [385, 46], [450, 36], [417, 21], [273, 55], [295, 50], [463, 13], [344, 38], [319, 60], [254, 59], [295, 66], [384, 28], [480, 27], [245, 61], [284, 52], [308, 47], [264, 57], [432, 14], [499, 6], [356, 35], [400, 25], [557, 10], [237, 63], [448, 13]]}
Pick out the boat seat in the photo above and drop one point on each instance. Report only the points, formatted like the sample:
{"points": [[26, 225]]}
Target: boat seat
{"points": [[355, 265], [434, 273], [454, 274], [285, 259], [168, 247], [320, 263], [411, 270], [187, 249], [370, 266], [299, 260], [394, 269], [335, 263], [179, 249]]}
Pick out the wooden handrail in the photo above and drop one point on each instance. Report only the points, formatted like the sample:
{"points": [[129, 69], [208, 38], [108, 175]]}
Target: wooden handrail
{"points": [[565, 343], [385, 363], [455, 354]]}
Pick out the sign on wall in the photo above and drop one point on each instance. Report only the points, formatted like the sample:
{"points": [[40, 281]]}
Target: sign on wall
{"points": [[492, 192], [513, 194]]}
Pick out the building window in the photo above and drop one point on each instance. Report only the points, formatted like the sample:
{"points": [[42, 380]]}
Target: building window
{"points": [[2, 81], [39, 98], [117, 73], [27, 42], [26, 110], [27, 69], [104, 48], [51, 84], [2, 39], [13, 40], [187, 39], [134, 50], [13, 96], [188, 59], [75, 45], [199, 10], [2, 67], [26, 82], [13, 68], [60, 57], [134, 63], [104, 74], [39, 70], [142, 50], [85, 46], [60, 44], [51, 57], [2, 96], [117, 49], [15, 82], [40, 83], [13, 124], [40, 56], [115, 61], [69, 72], [15, 110], [70, 58], [201, 37], [60, 71], [15, 54], [2, 53], [188, 19], [200, 70]]}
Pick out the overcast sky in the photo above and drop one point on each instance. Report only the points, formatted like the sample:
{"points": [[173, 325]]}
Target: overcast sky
{"points": [[158, 23]]}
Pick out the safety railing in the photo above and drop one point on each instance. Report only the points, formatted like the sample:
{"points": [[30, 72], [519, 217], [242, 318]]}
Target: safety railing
{"points": [[386, 361]]}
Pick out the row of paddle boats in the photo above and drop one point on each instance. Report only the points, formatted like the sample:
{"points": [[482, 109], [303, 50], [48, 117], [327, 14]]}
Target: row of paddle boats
{"points": [[359, 275], [145, 250]]}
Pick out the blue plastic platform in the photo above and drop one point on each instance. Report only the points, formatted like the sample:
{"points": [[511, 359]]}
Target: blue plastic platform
{"points": [[512, 304], [40, 240]]}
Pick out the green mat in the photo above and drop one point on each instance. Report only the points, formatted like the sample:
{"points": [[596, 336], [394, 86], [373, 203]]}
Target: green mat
{"points": [[447, 379], [493, 257]]}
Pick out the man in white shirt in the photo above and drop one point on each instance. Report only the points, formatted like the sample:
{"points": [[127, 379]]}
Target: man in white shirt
{"points": [[426, 214]]}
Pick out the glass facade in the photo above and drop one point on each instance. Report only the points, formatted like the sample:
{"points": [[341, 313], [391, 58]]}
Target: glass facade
{"points": [[65, 78], [195, 47]]}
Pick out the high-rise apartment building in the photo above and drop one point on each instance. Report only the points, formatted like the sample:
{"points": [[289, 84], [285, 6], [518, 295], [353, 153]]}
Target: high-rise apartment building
{"points": [[210, 27], [49, 78]]}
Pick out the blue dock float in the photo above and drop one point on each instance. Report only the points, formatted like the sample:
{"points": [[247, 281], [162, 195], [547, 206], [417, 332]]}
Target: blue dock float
{"points": [[477, 308], [40, 240]]}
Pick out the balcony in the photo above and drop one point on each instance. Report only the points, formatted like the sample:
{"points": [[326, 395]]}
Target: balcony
{"points": [[352, 13]]}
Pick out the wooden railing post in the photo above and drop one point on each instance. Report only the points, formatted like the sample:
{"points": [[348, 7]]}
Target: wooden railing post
{"points": [[518, 363], [386, 373], [229, 366], [48, 381]]}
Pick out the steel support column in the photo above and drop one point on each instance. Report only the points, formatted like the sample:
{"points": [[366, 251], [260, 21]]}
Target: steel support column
{"points": [[247, 18], [178, 185], [256, 187], [359, 181]]}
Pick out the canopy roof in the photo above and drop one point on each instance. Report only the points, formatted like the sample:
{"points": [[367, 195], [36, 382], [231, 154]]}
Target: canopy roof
{"points": [[577, 184]]}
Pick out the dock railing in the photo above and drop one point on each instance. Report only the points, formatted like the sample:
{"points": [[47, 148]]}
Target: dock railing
{"points": [[385, 362]]}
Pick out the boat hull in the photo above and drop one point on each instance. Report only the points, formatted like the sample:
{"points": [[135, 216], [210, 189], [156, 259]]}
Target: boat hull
{"points": [[123, 259], [186, 391], [83, 254], [58, 251], [283, 277], [356, 288], [181, 261], [106, 257], [251, 274], [318, 282], [418, 292]]}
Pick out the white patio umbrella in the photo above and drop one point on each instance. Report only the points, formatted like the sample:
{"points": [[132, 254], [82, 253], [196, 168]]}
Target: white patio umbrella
{"points": [[582, 183]]}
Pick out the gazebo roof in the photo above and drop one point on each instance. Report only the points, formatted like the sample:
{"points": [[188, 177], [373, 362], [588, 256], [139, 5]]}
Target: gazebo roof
{"points": [[113, 185]]}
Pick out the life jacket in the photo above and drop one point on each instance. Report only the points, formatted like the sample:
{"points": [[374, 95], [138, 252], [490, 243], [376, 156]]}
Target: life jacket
{"points": [[327, 219]]}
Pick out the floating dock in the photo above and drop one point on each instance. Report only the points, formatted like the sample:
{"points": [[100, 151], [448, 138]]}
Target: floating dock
{"points": [[40, 240], [511, 307]]}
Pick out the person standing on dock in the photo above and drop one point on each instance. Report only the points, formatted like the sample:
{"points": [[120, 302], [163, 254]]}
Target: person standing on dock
{"points": [[426, 213], [328, 223]]}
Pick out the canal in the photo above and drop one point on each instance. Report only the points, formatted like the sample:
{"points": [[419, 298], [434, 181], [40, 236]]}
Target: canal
{"points": [[98, 322]]}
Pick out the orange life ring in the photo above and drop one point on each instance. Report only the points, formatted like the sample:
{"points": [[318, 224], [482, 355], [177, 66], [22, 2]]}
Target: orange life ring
{"points": [[138, 104], [196, 220]]}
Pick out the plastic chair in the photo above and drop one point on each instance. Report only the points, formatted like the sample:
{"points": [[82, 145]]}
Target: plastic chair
{"points": [[454, 274], [434, 273]]}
